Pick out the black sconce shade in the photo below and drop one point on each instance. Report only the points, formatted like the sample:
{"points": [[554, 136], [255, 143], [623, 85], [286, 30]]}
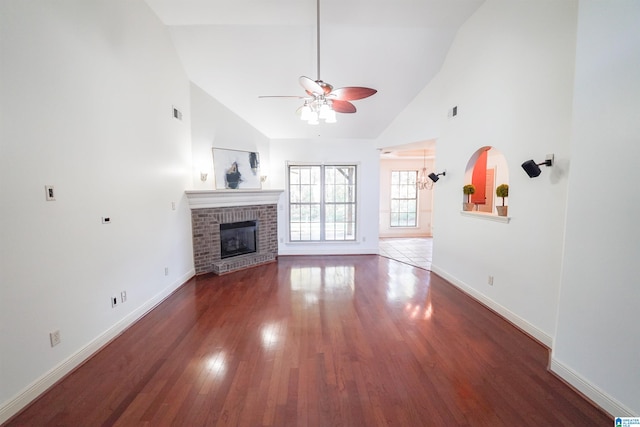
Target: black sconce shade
{"points": [[533, 169], [435, 177]]}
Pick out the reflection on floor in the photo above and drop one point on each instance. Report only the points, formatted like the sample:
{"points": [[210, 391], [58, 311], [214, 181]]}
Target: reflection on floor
{"points": [[416, 251]]}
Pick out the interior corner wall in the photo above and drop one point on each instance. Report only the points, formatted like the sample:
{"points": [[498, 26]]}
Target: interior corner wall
{"points": [[214, 125], [510, 73], [597, 340], [361, 152], [87, 91]]}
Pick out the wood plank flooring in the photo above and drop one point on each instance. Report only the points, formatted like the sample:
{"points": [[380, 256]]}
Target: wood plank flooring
{"points": [[317, 341]]}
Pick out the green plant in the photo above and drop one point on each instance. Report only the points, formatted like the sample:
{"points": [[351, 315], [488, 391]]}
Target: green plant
{"points": [[469, 189], [502, 190]]}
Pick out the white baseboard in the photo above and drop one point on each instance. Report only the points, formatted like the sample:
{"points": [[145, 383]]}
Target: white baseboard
{"points": [[502, 311], [42, 384], [323, 251], [595, 394]]}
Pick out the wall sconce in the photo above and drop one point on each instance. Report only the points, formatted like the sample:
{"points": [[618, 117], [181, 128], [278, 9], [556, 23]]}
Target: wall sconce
{"points": [[203, 176], [533, 169], [434, 177]]}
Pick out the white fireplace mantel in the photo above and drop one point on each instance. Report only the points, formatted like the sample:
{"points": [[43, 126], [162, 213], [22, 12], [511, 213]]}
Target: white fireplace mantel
{"points": [[201, 199]]}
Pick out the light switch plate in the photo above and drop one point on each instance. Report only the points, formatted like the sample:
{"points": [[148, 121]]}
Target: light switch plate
{"points": [[49, 193]]}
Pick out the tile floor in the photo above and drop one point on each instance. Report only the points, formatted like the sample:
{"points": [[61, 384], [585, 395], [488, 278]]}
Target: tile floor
{"points": [[416, 251]]}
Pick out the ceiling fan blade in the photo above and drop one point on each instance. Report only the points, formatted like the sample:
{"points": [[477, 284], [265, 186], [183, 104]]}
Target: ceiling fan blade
{"points": [[311, 86], [343, 106], [282, 96], [352, 93]]}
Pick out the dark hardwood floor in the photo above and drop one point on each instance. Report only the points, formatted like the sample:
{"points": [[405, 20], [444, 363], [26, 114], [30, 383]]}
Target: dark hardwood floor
{"points": [[319, 341]]}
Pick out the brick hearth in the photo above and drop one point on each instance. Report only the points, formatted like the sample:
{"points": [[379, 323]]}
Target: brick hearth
{"points": [[206, 218]]}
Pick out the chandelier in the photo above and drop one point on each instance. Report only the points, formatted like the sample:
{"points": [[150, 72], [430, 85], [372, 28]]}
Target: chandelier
{"points": [[424, 182]]}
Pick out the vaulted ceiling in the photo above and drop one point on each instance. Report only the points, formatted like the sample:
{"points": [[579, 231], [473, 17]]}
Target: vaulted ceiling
{"points": [[238, 50]]}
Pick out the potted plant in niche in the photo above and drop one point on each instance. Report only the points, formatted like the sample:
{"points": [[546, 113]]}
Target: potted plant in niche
{"points": [[502, 190], [468, 190]]}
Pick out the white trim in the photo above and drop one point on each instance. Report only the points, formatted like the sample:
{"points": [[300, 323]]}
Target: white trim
{"points": [[502, 311], [592, 392], [42, 384], [201, 199], [486, 216], [322, 250], [287, 200]]}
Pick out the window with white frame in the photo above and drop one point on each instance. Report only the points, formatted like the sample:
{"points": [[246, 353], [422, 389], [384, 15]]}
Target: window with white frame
{"points": [[404, 199], [322, 202]]}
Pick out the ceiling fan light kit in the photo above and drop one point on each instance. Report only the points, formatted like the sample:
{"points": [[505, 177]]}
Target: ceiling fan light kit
{"points": [[322, 102]]}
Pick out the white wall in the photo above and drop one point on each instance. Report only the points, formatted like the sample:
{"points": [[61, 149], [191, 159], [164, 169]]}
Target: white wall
{"points": [[425, 199], [86, 93], [597, 341], [326, 151], [512, 84], [214, 125], [511, 72]]}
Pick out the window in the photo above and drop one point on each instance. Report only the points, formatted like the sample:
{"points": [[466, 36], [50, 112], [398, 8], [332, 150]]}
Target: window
{"points": [[404, 198], [322, 202]]}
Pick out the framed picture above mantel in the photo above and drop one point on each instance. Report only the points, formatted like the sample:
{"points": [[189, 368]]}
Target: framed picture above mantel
{"points": [[236, 170]]}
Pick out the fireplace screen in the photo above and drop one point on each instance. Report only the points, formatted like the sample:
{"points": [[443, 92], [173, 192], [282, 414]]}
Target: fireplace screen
{"points": [[238, 238]]}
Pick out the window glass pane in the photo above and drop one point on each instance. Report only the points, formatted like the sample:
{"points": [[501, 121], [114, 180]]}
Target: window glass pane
{"points": [[351, 193], [294, 193], [395, 178], [330, 213], [412, 191], [305, 176], [315, 175], [394, 219], [315, 194], [315, 231], [315, 214], [294, 212], [329, 193], [294, 176]]}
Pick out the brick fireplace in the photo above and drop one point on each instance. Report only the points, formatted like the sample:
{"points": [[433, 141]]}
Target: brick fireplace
{"points": [[211, 208]]}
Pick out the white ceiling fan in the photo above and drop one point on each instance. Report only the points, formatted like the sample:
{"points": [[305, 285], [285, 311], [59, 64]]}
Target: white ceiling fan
{"points": [[322, 100]]}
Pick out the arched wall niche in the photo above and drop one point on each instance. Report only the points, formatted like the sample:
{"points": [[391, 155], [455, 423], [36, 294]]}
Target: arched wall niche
{"points": [[486, 169]]}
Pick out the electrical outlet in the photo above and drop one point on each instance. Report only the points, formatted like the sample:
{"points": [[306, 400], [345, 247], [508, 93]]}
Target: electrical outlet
{"points": [[490, 280], [114, 302], [54, 337], [123, 296], [166, 271], [173, 206]]}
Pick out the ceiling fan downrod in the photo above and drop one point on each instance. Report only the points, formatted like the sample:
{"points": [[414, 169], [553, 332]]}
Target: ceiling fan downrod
{"points": [[318, 38]]}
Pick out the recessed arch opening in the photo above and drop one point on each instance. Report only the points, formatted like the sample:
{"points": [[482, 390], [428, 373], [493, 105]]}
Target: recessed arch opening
{"points": [[486, 170]]}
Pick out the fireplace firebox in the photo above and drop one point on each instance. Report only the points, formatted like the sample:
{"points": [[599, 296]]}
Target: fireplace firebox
{"points": [[238, 238]]}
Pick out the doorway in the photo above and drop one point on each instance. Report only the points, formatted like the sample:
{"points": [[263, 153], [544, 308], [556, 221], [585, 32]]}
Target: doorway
{"points": [[410, 242]]}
